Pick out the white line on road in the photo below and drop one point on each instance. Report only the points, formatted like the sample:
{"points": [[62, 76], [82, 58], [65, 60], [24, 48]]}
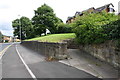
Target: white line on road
{"points": [[1, 55], [30, 72], [3, 51]]}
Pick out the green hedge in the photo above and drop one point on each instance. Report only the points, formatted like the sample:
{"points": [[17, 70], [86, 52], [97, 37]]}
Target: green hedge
{"points": [[96, 27], [64, 28]]}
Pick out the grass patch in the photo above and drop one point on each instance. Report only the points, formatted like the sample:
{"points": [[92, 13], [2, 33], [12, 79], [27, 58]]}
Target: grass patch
{"points": [[54, 37]]}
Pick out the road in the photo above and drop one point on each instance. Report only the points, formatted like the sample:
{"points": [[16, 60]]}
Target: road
{"points": [[20, 62], [2, 49], [3, 46]]}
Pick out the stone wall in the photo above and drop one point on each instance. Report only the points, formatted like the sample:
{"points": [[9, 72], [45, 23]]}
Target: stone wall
{"points": [[49, 49], [107, 52], [71, 44]]}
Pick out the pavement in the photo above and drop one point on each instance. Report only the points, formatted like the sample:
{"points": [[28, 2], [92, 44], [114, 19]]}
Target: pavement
{"points": [[89, 64], [13, 67]]}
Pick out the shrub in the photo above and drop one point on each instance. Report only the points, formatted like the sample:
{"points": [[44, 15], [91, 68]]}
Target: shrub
{"points": [[63, 28], [92, 28], [113, 29]]}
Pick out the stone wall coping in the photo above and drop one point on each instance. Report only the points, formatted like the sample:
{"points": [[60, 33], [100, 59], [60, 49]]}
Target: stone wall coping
{"points": [[47, 42]]}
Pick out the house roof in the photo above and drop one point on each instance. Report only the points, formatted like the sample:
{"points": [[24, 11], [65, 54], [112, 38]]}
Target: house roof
{"points": [[69, 18], [89, 9], [92, 9], [103, 7], [78, 13]]}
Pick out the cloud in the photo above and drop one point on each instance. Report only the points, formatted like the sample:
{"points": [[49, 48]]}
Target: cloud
{"points": [[7, 32], [4, 6], [5, 26], [6, 29]]}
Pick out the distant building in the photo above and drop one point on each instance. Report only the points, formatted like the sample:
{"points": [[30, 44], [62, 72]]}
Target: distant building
{"points": [[1, 37], [7, 39], [4, 38], [70, 19], [106, 8], [90, 10]]}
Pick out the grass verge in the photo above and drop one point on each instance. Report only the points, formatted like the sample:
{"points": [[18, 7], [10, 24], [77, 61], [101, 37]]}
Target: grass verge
{"points": [[54, 37]]}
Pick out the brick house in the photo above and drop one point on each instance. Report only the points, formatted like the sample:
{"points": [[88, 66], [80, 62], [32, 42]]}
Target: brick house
{"points": [[107, 8], [7, 39]]}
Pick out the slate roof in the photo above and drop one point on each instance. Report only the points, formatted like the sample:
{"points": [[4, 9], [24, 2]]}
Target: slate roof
{"points": [[92, 10], [89, 9], [78, 13], [103, 7]]}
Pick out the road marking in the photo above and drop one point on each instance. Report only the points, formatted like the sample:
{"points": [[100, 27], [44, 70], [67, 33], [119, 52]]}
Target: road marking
{"points": [[30, 72], [4, 50], [1, 55]]}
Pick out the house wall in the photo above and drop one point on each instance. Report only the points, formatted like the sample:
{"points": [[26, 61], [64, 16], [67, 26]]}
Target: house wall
{"points": [[107, 10], [7, 39]]}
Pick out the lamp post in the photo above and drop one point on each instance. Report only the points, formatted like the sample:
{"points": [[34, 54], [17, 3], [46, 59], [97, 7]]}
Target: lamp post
{"points": [[20, 29]]}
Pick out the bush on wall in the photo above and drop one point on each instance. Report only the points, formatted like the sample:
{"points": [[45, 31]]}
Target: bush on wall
{"points": [[93, 28]]}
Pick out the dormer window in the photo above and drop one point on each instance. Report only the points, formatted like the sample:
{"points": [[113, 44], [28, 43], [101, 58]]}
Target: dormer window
{"points": [[111, 10]]}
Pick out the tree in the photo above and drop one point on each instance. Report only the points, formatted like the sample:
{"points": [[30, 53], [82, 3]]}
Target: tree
{"points": [[16, 27], [27, 28], [44, 19], [24, 25]]}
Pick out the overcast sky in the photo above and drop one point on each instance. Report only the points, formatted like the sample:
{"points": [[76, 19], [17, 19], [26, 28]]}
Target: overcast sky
{"points": [[10, 9]]}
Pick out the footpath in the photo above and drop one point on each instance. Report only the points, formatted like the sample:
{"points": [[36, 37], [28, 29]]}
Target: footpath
{"points": [[90, 64]]}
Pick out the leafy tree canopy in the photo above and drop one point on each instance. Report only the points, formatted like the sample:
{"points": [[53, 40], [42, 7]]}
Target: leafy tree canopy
{"points": [[43, 19], [23, 27]]}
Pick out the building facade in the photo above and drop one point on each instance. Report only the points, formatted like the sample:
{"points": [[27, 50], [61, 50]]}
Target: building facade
{"points": [[108, 8], [7, 39]]}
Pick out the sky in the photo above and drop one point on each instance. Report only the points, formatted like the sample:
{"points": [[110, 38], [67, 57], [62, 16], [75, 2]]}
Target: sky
{"points": [[10, 9]]}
